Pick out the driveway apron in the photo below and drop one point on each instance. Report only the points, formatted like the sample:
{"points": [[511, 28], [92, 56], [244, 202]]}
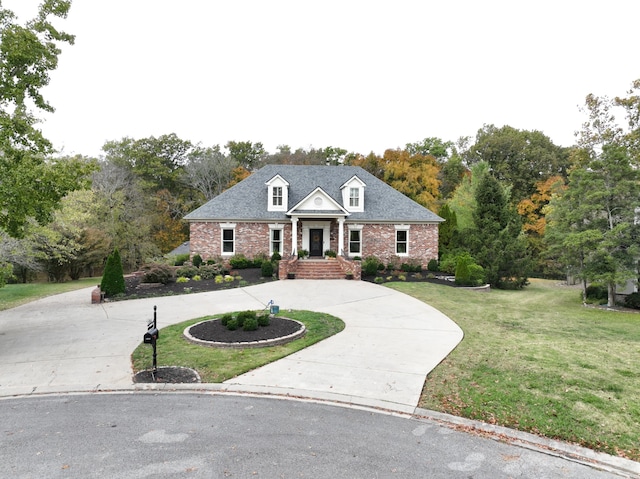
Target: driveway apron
{"points": [[390, 343]]}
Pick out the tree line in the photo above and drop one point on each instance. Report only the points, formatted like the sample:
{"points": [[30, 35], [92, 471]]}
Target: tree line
{"points": [[515, 204]]}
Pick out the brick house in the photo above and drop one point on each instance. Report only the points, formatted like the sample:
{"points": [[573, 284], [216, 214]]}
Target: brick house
{"points": [[290, 208]]}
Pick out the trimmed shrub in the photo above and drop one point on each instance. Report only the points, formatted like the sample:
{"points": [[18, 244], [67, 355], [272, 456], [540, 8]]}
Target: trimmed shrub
{"points": [[157, 273], [232, 324], [250, 324], [197, 277], [180, 259], [187, 271], [330, 253], [113, 277], [219, 279], [378, 280], [411, 266], [197, 260], [182, 279], [266, 269], [225, 319], [433, 265], [370, 266], [276, 256], [240, 261], [210, 271], [259, 259], [263, 319], [242, 316]]}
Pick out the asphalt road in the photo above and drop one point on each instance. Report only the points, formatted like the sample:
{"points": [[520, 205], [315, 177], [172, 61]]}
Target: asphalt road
{"points": [[189, 435]]}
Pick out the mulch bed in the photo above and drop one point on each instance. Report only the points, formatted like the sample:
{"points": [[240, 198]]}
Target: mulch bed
{"points": [[213, 330], [168, 374], [136, 289]]}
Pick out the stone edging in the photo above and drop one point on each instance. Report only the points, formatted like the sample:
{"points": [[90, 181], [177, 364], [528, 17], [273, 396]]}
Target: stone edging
{"points": [[247, 344]]}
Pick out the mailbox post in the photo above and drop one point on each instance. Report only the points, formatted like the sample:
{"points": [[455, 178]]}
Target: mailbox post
{"points": [[151, 337]]}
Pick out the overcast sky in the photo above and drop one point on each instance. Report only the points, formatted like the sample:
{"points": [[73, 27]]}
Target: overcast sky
{"points": [[360, 75]]}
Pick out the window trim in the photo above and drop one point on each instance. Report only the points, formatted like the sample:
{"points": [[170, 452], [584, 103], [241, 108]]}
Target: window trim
{"points": [[272, 229], [277, 196], [354, 197], [354, 229], [405, 230], [227, 227]]}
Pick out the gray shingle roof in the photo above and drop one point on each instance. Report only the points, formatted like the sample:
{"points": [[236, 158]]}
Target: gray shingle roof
{"points": [[247, 200]]}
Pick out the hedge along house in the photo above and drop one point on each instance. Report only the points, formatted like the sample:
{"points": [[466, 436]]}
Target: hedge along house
{"points": [[291, 208]]}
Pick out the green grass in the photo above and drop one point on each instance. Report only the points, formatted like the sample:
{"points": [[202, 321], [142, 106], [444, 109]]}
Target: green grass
{"points": [[216, 365], [538, 361], [13, 295]]}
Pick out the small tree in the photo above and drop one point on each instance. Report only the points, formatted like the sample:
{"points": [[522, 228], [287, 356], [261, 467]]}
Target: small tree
{"points": [[113, 277]]}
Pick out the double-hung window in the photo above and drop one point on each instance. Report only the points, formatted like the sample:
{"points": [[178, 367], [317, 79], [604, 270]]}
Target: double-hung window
{"points": [[354, 197], [277, 196], [355, 242], [402, 240], [275, 240], [228, 241]]}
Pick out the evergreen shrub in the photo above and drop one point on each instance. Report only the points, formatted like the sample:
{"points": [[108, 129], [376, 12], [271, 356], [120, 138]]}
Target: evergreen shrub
{"points": [[250, 324], [113, 276], [157, 273], [240, 261], [180, 259], [225, 319], [263, 319], [186, 271], [370, 266], [266, 269]]}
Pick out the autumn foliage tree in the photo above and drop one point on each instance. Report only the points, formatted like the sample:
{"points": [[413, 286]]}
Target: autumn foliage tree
{"points": [[415, 175], [534, 220]]}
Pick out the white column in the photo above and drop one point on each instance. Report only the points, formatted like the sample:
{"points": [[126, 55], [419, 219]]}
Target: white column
{"points": [[340, 236], [294, 236]]}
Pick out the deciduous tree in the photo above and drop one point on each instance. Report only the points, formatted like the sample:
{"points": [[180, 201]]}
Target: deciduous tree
{"points": [[414, 175], [27, 56], [519, 158]]}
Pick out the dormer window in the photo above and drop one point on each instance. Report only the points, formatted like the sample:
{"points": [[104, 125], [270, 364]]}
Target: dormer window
{"points": [[354, 197], [353, 194], [278, 194]]}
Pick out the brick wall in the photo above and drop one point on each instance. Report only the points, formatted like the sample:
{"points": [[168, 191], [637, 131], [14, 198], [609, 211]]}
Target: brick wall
{"points": [[377, 240], [251, 239], [380, 240]]}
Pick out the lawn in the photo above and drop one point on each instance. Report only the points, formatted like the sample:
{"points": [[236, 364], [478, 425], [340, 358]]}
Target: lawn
{"points": [[539, 361], [13, 295], [216, 365]]}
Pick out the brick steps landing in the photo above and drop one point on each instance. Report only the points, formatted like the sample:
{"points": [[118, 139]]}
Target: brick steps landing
{"points": [[319, 269]]}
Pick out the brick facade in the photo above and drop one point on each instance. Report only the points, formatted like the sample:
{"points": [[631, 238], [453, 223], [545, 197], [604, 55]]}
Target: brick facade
{"points": [[379, 240], [253, 238]]}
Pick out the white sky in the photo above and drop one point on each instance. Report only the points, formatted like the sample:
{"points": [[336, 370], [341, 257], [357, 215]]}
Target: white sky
{"points": [[360, 75]]}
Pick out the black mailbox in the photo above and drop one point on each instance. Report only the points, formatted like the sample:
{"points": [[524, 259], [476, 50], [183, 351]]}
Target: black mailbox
{"points": [[151, 336]]}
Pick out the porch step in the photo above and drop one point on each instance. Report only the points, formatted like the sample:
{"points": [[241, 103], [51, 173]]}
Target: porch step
{"points": [[319, 269]]}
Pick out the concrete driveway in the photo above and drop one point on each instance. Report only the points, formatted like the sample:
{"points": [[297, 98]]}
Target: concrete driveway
{"points": [[390, 343]]}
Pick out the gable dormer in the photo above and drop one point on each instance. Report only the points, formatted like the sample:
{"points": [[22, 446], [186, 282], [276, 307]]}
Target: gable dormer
{"points": [[277, 194], [353, 194]]}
